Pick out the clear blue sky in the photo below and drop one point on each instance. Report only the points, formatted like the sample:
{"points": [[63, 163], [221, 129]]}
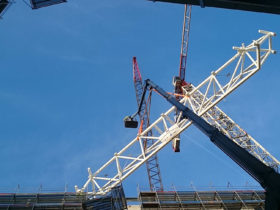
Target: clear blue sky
{"points": [[66, 84]]}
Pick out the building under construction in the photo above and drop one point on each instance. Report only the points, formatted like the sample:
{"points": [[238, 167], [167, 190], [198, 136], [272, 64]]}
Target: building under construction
{"points": [[197, 105], [116, 200], [200, 109], [190, 104]]}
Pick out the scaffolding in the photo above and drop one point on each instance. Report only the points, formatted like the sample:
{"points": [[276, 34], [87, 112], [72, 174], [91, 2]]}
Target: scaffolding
{"points": [[227, 199], [41, 201], [115, 200]]}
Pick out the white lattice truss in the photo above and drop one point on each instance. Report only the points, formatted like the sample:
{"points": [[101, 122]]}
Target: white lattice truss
{"points": [[202, 100]]}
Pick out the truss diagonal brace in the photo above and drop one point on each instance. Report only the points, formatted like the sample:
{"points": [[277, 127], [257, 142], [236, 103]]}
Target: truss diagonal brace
{"points": [[165, 129], [265, 175]]}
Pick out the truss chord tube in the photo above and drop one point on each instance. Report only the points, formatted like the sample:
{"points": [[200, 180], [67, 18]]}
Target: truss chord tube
{"points": [[174, 129], [220, 120]]}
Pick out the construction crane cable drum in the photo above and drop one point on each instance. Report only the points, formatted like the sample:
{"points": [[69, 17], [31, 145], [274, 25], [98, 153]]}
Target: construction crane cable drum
{"points": [[202, 100]]}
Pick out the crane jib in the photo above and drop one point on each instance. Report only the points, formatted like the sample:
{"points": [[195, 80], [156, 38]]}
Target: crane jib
{"points": [[202, 100]]}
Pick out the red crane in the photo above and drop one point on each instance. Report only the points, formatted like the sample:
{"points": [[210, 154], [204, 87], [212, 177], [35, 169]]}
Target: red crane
{"points": [[179, 81], [152, 164]]}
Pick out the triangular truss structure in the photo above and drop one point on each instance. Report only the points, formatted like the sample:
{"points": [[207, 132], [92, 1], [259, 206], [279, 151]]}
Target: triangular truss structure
{"points": [[202, 100]]}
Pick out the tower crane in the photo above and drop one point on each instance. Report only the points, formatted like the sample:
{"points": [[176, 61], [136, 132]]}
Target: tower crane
{"points": [[198, 106], [152, 164], [179, 81]]}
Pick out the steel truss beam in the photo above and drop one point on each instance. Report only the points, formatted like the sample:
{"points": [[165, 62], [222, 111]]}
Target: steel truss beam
{"points": [[201, 99]]}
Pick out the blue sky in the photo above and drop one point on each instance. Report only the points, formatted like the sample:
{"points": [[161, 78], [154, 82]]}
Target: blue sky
{"points": [[66, 84]]}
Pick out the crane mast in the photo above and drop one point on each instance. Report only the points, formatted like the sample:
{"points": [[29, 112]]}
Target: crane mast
{"points": [[185, 41], [152, 164], [179, 81], [202, 101]]}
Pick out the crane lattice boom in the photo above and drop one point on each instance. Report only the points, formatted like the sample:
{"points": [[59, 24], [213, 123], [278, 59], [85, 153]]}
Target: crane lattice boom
{"points": [[202, 101], [185, 41], [152, 164], [179, 81]]}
